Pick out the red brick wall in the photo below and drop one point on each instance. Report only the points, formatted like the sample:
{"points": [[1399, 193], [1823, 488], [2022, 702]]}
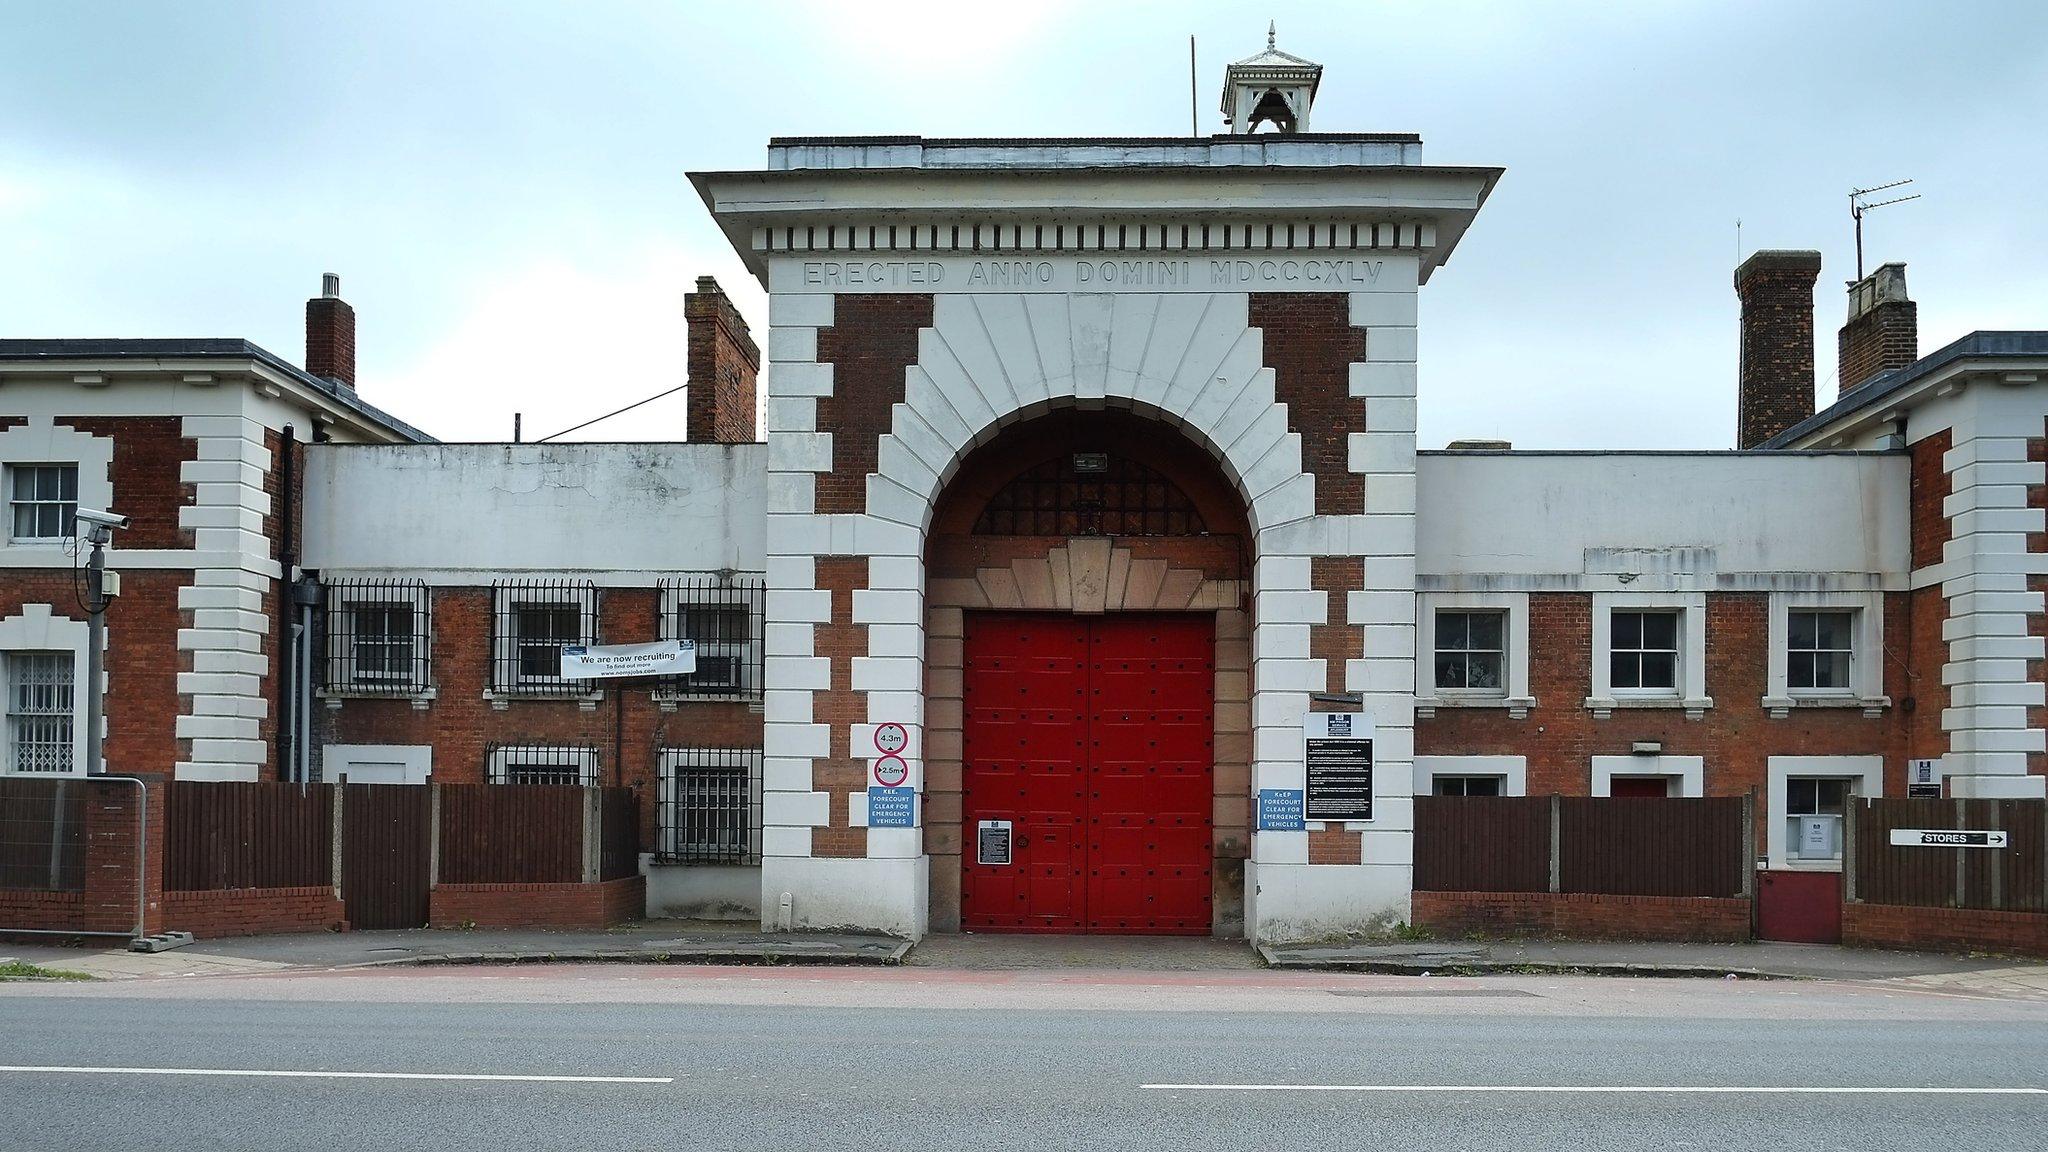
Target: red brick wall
{"points": [[118, 877], [537, 905], [148, 486], [1735, 737], [1581, 916], [461, 725], [872, 341], [1310, 345], [142, 702], [254, 911], [723, 363], [1931, 484], [841, 774], [1944, 929]]}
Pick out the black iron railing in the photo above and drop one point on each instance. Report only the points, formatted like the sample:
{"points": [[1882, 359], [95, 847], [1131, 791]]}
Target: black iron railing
{"points": [[541, 764], [723, 613], [380, 637], [531, 622], [705, 807]]}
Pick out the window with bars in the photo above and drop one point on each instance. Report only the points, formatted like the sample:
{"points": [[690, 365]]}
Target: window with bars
{"points": [[40, 712], [1819, 648], [42, 501], [1470, 653], [541, 764], [708, 806], [379, 637], [532, 621], [1090, 494], [1642, 651], [723, 615]]}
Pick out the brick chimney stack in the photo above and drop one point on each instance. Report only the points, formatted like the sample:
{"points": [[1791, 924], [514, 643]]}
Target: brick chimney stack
{"points": [[1775, 381], [331, 334], [1883, 331], [722, 364]]}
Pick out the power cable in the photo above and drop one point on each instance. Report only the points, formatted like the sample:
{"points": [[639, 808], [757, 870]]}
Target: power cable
{"points": [[609, 415]]}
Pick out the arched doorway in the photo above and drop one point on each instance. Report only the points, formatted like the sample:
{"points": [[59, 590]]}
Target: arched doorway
{"points": [[1087, 683]]}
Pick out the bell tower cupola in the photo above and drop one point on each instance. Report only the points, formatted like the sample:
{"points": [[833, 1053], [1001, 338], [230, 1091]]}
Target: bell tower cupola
{"points": [[1272, 88]]}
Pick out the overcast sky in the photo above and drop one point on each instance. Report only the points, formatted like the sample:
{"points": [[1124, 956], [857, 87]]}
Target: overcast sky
{"points": [[501, 185]]}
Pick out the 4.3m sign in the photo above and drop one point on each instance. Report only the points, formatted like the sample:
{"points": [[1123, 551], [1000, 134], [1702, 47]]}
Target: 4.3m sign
{"points": [[1945, 838]]}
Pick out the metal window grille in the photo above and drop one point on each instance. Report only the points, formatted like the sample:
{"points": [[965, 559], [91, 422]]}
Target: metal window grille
{"points": [[706, 805], [724, 614], [40, 714], [541, 764], [1090, 494], [1643, 650], [1819, 650], [43, 499], [532, 621], [379, 637], [1469, 650]]}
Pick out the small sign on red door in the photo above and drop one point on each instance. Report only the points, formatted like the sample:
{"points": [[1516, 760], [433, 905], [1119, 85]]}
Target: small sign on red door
{"points": [[992, 842]]}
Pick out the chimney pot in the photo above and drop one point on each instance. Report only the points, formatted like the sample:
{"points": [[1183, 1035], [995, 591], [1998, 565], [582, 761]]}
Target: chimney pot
{"points": [[330, 285], [1775, 375]]}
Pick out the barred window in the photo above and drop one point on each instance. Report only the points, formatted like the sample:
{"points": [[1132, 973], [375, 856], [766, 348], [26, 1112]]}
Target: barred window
{"points": [[379, 637], [40, 715], [43, 501], [531, 624], [541, 764], [723, 616], [708, 806]]}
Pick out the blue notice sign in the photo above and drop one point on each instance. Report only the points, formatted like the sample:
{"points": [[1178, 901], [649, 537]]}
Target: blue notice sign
{"points": [[1280, 810], [892, 807]]}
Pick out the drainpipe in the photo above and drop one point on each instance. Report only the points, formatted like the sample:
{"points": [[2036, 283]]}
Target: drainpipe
{"points": [[288, 561]]}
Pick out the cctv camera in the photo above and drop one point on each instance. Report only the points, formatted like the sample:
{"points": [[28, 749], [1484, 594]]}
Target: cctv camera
{"points": [[102, 519]]}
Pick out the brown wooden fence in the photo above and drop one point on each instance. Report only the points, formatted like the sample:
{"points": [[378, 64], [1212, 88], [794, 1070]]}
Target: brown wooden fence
{"points": [[396, 839], [512, 833], [620, 853], [1482, 843], [1581, 844], [2013, 878], [247, 834], [42, 834]]}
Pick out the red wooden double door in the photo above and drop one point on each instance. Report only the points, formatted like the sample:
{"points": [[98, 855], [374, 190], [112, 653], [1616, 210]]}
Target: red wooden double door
{"points": [[1094, 739]]}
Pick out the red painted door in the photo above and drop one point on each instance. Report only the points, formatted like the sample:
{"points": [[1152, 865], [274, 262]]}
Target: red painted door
{"points": [[1095, 739], [1640, 787], [1799, 907]]}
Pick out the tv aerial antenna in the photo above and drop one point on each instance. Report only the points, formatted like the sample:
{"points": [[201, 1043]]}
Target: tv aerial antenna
{"points": [[1860, 202]]}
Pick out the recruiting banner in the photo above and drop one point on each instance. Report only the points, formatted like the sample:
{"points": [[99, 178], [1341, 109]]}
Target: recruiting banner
{"points": [[661, 658]]}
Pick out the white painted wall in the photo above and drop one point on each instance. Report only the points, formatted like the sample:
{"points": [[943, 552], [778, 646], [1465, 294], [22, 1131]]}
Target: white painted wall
{"points": [[1489, 516], [445, 509], [702, 891]]}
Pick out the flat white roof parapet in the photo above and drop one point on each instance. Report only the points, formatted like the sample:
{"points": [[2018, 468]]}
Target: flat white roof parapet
{"points": [[1303, 150]]}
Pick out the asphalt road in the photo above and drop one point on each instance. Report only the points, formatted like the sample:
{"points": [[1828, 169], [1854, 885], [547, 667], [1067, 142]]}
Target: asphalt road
{"points": [[943, 1060]]}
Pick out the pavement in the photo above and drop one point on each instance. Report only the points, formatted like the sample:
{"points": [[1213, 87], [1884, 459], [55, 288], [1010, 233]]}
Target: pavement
{"points": [[724, 942], [717, 1057], [656, 941]]}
